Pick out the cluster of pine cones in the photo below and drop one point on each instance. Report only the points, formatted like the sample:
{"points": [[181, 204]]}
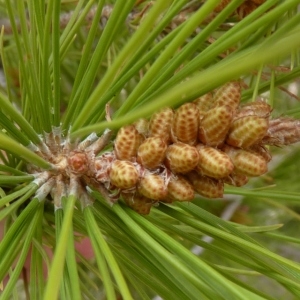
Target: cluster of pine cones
{"points": [[195, 149]]}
